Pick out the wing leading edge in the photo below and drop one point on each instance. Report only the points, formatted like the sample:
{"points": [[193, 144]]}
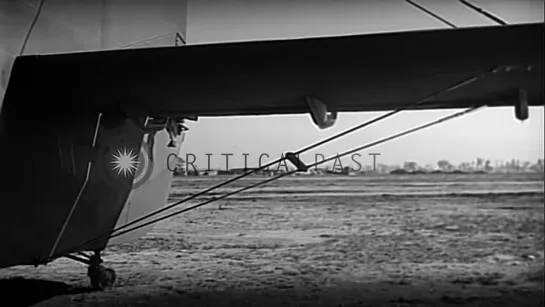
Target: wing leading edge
{"points": [[374, 72]]}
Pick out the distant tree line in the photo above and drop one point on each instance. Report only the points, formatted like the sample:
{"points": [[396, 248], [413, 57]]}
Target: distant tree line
{"points": [[478, 165]]}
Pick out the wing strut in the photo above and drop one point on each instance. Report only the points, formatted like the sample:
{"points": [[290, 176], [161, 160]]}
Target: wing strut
{"points": [[293, 157], [366, 146]]}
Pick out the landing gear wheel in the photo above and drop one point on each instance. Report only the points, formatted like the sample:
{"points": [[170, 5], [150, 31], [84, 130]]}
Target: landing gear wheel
{"points": [[102, 278]]}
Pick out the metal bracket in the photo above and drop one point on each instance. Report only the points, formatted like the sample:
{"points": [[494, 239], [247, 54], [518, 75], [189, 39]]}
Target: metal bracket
{"points": [[319, 113], [294, 159], [521, 105], [174, 129], [179, 40]]}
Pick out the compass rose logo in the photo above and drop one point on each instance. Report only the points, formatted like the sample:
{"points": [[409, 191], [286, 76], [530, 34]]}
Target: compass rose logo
{"points": [[125, 162]]}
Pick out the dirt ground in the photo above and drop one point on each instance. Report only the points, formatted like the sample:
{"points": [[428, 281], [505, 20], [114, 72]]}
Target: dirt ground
{"points": [[336, 241]]}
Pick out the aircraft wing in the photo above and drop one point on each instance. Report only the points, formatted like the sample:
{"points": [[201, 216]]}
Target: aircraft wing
{"points": [[373, 72]]}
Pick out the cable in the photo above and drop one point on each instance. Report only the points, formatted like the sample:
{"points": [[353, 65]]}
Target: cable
{"points": [[443, 119], [395, 136], [32, 27], [367, 123], [485, 13], [425, 10]]}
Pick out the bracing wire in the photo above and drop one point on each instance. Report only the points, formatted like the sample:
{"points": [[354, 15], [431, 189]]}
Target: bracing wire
{"points": [[432, 14], [443, 119], [360, 126], [408, 107], [319, 143], [27, 36], [484, 13], [369, 145]]}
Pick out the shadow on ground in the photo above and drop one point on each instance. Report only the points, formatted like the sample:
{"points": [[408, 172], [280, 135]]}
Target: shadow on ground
{"points": [[26, 292], [20, 291], [338, 297]]}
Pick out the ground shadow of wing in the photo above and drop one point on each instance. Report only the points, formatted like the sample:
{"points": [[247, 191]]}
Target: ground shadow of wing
{"points": [[20, 291]]}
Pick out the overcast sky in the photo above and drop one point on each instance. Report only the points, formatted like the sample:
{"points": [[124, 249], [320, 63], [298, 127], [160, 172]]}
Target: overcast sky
{"points": [[491, 133]]}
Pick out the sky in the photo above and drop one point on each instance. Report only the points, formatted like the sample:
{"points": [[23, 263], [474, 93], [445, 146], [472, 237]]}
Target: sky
{"points": [[492, 133]]}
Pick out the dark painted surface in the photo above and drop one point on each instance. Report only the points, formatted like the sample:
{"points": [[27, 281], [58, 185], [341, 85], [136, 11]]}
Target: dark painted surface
{"points": [[355, 73], [44, 163]]}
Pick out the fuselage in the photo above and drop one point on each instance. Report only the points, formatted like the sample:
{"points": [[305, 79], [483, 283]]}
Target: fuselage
{"points": [[58, 190]]}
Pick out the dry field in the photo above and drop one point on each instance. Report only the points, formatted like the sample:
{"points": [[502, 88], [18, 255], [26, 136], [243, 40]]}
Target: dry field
{"points": [[435, 240]]}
